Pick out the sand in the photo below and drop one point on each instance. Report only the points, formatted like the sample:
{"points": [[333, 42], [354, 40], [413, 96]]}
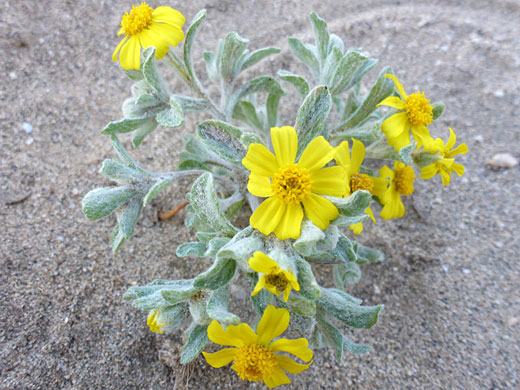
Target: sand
{"points": [[450, 281]]}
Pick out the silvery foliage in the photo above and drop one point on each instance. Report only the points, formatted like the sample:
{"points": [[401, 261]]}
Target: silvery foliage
{"points": [[213, 157]]}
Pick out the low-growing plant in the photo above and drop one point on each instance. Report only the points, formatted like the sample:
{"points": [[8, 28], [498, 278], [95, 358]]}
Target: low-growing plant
{"points": [[304, 186]]}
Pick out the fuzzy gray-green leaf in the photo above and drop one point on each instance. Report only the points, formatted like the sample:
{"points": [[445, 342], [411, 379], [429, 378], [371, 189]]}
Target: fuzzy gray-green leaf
{"points": [[119, 172], [312, 115], [218, 307], [367, 255], [197, 338], [257, 56], [195, 249], [232, 48], [152, 75], [188, 41], [101, 202], [321, 34], [301, 85], [223, 139], [219, 274], [309, 287], [127, 217], [348, 312], [346, 274], [171, 117], [305, 55], [160, 185], [123, 126], [143, 131], [438, 109], [354, 205]]}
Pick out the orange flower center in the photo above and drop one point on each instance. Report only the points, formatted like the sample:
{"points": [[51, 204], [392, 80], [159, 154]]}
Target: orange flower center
{"points": [[137, 20], [291, 184], [419, 109], [360, 181], [254, 363], [404, 178], [277, 280]]}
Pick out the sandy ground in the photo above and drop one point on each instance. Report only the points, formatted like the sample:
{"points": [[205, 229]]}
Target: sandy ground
{"points": [[450, 282]]}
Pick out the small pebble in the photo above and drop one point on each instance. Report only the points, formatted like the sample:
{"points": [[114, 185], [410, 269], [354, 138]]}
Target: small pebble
{"points": [[502, 160], [445, 268], [27, 127], [29, 141], [13, 75], [499, 93], [513, 321], [377, 290], [478, 138], [466, 271]]}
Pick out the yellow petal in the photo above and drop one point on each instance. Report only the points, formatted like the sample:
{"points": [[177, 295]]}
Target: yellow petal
{"points": [[267, 216], [259, 186], [130, 56], [278, 378], [393, 206], [272, 324], [358, 155], [380, 186], [260, 161], [396, 125], [451, 140], [342, 156], [370, 214], [330, 181], [398, 85], [286, 293], [171, 34], [400, 141], [168, 15], [423, 138], [386, 172], [298, 347], [262, 263], [429, 171], [316, 154], [285, 144], [446, 178], [289, 365], [320, 210], [393, 101], [220, 358], [290, 223], [458, 169], [357, 228], [259, 286], [234, 335], [461, 149], [149, 37], [114, 55]]}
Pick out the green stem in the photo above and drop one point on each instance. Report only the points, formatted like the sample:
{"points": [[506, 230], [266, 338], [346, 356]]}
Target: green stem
{"points": [[177, 64]]}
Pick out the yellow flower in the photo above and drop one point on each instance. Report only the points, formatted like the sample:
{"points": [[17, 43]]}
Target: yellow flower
{"points": [[446, 164], [154, 323], [359, 181], [288, 184], [254, 355], [145, 27], [417, 114], [401, 183], [274, 279]]}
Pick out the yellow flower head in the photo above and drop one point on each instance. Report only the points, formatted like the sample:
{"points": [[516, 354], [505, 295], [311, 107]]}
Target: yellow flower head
{"points": [[143, 27], [356, 180], [154, 322], [274, 279], [401, 183], [254, 356], [417, 113], [289, 185], [446, 164]]}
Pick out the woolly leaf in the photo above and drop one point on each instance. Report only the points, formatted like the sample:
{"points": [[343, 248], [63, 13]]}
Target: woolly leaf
{"points": [[301, 85], [101, 202], [223, 139], [197, 338]]}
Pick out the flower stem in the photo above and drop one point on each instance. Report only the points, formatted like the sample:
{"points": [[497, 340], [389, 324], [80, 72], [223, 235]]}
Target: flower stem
{"points": [[177, 64]]}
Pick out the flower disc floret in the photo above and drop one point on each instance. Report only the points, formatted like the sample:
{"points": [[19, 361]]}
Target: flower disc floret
{"points": [[404, 178], [361, 181], [291, 184], [254, 362], [419, 109], [137, 20]]}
